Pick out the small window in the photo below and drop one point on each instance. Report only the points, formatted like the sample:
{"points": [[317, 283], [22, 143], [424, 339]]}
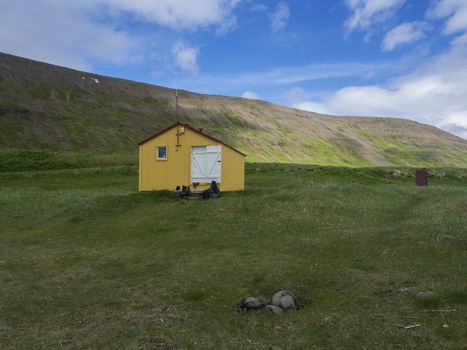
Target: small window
{"points": [[161, 152]]}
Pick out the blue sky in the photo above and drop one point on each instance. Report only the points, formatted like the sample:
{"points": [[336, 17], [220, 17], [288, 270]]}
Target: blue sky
{"points": [[396, 58]]}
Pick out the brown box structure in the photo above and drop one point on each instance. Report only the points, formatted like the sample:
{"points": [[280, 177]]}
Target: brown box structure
{"points": [[421, 177]]}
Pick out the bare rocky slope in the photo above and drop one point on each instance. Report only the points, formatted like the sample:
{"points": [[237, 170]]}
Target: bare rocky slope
{"points": [[46, 107]]}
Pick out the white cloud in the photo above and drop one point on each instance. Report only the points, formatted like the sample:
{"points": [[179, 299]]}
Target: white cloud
{"points": [[311, 106], [68, 38], [300, 98], [280, 17], [286, 75], [455, 11], [177, 14], [251, 95], [186, 57], [367, 12], [405, 33], [78, 33], [296, 95], [460, 40], [434, 94]]}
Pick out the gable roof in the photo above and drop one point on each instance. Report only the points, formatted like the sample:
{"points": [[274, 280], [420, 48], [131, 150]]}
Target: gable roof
{"points": [[192, 129]]}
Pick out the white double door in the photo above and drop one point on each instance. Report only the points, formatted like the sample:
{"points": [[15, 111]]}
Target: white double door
{"points": [[206, 164]]}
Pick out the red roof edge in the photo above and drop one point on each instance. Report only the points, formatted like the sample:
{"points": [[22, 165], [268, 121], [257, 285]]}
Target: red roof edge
{"points": [[192, 129]]}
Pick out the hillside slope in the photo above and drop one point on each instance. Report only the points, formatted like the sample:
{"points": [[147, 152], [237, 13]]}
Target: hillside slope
{"points": [[48, 107]]}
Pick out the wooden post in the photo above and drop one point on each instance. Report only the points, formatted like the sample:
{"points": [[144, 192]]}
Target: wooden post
{"points": [[421, 177]]}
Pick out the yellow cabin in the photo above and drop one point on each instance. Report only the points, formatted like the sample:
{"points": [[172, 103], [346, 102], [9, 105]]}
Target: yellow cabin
{"points": [[181, 155]]}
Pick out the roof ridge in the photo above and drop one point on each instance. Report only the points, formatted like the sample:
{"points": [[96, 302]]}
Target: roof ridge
{"points": [[186, 125]]}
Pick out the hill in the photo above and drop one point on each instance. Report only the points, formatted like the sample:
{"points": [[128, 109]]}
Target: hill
{"points": [[51, 108]]}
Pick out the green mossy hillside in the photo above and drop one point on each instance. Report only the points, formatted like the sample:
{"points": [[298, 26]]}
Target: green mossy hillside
{"points": [[58, 110]]}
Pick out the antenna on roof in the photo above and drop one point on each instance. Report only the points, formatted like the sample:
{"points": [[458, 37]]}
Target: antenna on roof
{"points": [[179, 132], [176, 101]]}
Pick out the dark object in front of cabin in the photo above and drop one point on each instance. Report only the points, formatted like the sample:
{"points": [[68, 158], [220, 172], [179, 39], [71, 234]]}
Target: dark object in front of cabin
{"points": [[184, 193], [212, 192], [421, 177]]}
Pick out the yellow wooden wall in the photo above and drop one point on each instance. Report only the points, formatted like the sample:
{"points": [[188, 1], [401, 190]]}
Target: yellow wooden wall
{"points": [[167, 174]]}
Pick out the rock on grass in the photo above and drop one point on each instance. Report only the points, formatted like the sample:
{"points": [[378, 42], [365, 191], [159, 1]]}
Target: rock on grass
{"points": [[251, 303], [284, 300], [274, 309]]}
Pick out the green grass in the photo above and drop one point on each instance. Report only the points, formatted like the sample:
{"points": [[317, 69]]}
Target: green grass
{"points": [[34, 160], [87, 262]]}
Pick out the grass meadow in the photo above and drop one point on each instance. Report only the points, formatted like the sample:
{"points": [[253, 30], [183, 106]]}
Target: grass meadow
{"points": [[87, 262]]}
